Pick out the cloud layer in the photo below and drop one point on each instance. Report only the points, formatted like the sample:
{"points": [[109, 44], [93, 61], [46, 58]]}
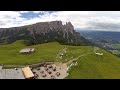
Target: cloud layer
{"points": [[100, 20]]}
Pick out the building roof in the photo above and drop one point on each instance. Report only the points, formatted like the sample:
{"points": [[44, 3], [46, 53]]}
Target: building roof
{"points": [[11, 74], [26, 50], [99, 53], [27, 72]]}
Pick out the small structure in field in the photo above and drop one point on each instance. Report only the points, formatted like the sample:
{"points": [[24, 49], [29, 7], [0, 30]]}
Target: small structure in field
{"points": [[100, 54], [27, 50], [27, 72]]}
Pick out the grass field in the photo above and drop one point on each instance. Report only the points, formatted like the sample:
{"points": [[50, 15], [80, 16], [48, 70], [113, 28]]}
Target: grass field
{"points": [[96, 67], [116, 52], [116, 46], [89, 66], [9, 54]]}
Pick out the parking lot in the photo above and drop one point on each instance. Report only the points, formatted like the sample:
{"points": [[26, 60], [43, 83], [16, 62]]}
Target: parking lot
{"points": [[50, 71]]}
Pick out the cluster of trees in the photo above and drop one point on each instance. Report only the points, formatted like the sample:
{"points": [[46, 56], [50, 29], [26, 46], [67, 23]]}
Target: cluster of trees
{"points": [[9, 36]]}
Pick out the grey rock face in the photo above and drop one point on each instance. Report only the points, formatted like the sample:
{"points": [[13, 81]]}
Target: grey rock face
{"points": [[41, 32]]}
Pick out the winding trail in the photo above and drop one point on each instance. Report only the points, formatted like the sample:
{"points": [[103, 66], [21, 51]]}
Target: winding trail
{"points": [[78, 58], [94, 51]]}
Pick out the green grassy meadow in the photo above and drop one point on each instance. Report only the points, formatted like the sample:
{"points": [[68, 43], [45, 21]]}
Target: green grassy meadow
{"points": [[90, 66], [116, 46]]}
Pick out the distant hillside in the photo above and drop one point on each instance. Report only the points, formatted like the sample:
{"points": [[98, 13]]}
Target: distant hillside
{"points": [[101, 35], [108, 40], [43, 32]]}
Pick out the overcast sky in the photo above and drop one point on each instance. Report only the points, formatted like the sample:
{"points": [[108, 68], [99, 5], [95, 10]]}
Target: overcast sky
{"points": [[98, 20]]}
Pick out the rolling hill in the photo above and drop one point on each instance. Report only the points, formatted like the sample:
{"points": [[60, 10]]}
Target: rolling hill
{"points": [[90, 65]]}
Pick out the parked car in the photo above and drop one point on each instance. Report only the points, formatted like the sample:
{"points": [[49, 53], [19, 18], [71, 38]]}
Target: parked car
{"points": [[49, 71], [38, 68], [52, 77], [50, 66], [58, 74], [44, 75], [46, 68], [41, 71], [54, 69]]}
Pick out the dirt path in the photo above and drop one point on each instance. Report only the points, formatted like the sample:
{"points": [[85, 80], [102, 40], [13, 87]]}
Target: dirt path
{"points": [[69, 62], [94, 50], [78, 58]]}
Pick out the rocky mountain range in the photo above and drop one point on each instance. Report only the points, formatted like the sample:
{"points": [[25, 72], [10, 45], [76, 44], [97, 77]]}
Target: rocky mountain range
{"points": [[43, 32]]}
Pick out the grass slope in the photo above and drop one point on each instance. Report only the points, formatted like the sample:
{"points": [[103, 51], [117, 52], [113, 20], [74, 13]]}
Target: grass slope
{"points": [[9, 54], [96, 67], [89, 66], [116, 45]]}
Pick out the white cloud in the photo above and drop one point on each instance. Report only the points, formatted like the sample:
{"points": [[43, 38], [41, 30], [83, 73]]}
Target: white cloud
{"points": [[38, 12], [80, 19], [10, 19], [23, 11]]}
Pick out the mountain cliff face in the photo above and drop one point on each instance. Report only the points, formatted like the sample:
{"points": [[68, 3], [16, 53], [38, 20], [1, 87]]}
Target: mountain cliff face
{"points": [[43, 32]]}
